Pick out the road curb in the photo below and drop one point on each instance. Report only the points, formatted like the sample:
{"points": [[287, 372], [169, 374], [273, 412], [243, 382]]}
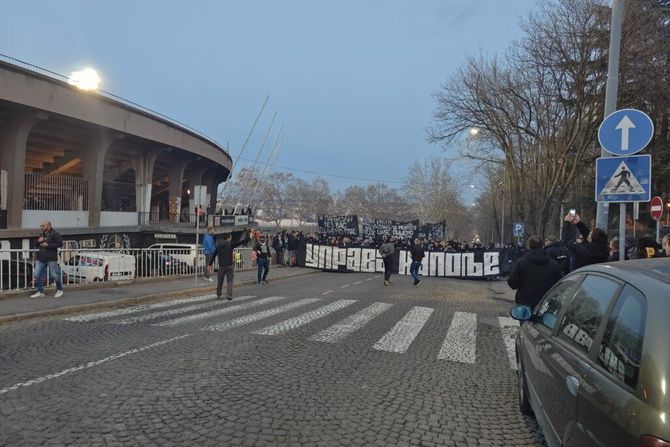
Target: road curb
{"points": [[110, 304]]}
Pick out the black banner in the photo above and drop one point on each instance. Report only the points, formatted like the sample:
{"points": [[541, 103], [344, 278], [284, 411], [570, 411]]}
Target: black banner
{"points": [[381, 228], [473, 264], [432, 232], [338, 225]]}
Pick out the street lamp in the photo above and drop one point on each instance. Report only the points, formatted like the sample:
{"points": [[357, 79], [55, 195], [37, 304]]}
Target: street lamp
{"points": [[86, 79]]}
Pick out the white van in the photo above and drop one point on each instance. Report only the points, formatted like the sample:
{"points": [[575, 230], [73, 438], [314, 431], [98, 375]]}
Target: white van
{"points": [[99, 266], [183, 252]]}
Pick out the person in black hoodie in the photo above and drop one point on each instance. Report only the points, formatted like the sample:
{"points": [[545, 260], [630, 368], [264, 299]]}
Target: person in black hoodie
{"points": [[533, 274], [418, 254], [224, 252], [558, 253], [594, 247]]}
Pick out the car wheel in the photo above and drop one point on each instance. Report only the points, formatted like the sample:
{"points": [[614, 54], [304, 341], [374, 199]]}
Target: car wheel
{"points": [[524, 403]]}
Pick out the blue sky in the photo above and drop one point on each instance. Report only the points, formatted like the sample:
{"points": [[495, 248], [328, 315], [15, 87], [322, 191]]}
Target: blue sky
{"points": [[352, 79]]}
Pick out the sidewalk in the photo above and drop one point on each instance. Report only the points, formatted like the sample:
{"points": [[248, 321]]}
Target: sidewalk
{"points": [[20, 307]]}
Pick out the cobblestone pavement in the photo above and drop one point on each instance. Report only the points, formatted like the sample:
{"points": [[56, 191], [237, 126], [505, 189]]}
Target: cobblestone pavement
{"points": [[319, 360]]}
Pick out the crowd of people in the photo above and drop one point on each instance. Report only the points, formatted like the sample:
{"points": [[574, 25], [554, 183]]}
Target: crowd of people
{"points": [[544, 263]]}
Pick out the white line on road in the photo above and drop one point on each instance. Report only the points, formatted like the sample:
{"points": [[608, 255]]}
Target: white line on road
{"points": [[509, 327], [135, 309], [405, 331], [89, 365], [345, 286], [358, 282], [370, 279], [301, 320], [461, 341], [219, 312], [241, 321], [181, 310], [327, 292], [350, 324]]}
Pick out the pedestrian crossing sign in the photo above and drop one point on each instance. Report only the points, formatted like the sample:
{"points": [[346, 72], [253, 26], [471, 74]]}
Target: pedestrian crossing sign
{"points": [[623, 179]]}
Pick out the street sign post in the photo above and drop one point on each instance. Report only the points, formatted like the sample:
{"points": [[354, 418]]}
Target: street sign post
{"points": [[199, 197], [656, 211], [623, 179], [518, 229], [626, 132]]}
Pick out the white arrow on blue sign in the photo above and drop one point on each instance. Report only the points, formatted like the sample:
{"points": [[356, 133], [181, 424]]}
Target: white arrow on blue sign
{"points": [[626, 132], [623, 179]]}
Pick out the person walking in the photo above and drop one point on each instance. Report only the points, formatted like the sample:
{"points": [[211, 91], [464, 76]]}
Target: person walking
{"points": [[534, 274], [262, 250], [209, 246], [47, 245], [224, 253], [418, 254], [386, 250]]}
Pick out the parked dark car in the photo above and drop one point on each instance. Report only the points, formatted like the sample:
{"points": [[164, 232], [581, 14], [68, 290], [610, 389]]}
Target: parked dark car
{"points": [[594, 357], [15, 274], [156, 263]]}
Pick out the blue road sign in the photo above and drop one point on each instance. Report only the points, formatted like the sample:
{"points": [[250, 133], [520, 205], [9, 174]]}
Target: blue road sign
{"points": [[623, 179], [626, 132], [518, 229]]}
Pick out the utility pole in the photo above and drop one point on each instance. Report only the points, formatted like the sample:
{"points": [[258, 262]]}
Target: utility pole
{"points": [[602, 214]]}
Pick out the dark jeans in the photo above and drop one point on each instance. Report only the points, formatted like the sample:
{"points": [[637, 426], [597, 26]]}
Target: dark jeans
{"points": [[263, 268], [225, 271], [207, 262], [388, 267], [414, 269], [280, 256]]}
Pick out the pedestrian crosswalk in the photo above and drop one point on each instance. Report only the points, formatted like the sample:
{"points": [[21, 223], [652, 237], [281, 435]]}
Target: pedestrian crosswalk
{"points": [[345, 317]]}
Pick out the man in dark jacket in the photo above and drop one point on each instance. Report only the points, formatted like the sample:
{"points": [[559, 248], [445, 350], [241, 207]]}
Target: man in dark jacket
{"points": [[559, 253], [262, 249], [292, 246], [418, 254], [279, 248], [386, 251], [47, 246], [594, 247], [534, 274], [224, 251]]}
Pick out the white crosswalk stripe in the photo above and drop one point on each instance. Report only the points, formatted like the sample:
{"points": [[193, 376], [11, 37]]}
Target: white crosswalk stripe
{"points": [[351, 324], [405, 331], [137, 309], [219, 312], [241, 321], [461, 340], [509, 327], [306, 318], [180, 310]]}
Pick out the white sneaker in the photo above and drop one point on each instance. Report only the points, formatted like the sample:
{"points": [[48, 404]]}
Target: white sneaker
{"points": [[58, 294], [37, 295]]}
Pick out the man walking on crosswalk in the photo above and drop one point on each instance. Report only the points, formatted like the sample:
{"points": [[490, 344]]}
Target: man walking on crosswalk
{"points": [[224, 252], [386, 250]]}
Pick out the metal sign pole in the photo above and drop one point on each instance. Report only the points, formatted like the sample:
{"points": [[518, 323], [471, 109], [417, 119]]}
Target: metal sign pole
{"points": [[622, 231], [197, 249]]}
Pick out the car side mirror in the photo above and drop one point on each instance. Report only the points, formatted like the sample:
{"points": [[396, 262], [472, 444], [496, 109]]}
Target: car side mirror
{"points": [[521, 312]]}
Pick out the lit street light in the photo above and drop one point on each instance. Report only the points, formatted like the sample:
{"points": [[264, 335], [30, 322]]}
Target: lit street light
{"points": [[86, 79]]}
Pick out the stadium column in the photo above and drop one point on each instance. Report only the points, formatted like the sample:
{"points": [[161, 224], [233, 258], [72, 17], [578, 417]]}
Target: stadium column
{"points": [[176, 174], [93, 164], [143, 165], [13, 142]]}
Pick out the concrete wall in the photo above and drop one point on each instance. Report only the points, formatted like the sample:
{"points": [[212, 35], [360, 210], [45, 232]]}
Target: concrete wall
{"points": [[58, 219], [117, 219]]}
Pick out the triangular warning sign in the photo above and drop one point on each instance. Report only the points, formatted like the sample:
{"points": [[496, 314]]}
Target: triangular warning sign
{"points": [[623, 182]]}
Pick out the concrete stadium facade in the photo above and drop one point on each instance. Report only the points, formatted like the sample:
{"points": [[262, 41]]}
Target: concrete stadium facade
{"points": [[92, 163]]}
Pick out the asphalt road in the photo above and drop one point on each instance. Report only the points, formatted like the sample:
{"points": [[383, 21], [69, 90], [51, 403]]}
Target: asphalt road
{"points": [[323, 359]]}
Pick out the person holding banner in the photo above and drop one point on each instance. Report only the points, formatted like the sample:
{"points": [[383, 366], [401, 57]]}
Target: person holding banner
{"points": [[386, 250], [418, 254]]}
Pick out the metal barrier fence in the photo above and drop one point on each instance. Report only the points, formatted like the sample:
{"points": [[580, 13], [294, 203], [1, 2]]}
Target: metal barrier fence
{"points": [[55, 192], [78, 266]]}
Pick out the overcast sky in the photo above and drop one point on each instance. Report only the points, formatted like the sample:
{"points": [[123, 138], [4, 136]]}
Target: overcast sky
{"points": [[352, 79]]}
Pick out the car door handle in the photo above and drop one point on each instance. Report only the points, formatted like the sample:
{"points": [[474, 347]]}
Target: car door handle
{"points": [[573, 385]]}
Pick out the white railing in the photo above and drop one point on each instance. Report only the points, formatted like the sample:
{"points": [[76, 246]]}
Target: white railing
{"points": [[55, 192], [80, 266]]}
